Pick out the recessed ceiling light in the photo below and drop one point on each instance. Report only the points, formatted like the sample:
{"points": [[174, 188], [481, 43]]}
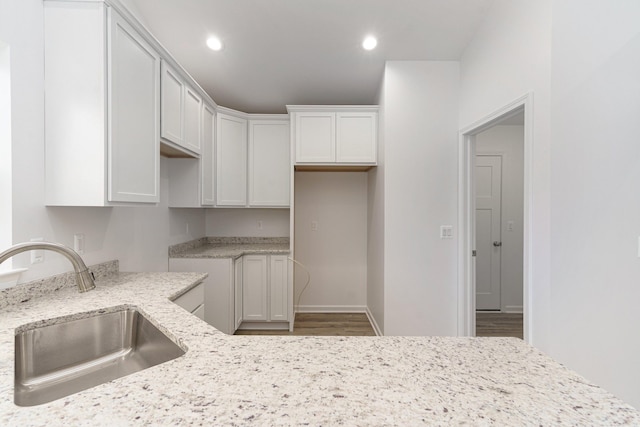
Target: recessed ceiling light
{"points": [[369, 43], [214, 43]]}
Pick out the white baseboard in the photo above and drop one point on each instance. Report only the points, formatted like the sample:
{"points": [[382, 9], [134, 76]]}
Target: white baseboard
{"points": [[273, 326], [373, 322], [331, 309], [512, 309]]}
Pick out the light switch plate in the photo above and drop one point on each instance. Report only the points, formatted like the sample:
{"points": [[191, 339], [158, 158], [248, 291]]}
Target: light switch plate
{"points": [[446, 231]]}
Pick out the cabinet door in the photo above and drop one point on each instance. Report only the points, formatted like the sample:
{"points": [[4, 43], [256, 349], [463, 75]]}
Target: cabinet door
{"points": [[206, 159], [134, 115], [231, 161], [171, 118], [315, 137], [238, 292], [356, 137], [192, 120], [269, 166], [254, 287], [278, 285]]}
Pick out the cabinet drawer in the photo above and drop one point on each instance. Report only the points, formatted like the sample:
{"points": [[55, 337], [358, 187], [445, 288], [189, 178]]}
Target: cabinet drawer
{"points": [[192, 299]]}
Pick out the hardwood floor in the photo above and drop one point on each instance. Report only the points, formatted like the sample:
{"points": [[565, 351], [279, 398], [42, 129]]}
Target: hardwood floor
{"points": [[324, 324], [491, 324]]}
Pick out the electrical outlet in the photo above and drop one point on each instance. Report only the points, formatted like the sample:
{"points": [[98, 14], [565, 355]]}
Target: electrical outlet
{"points": [[259, 225], [510, 225], [314, 225], [78, 243], [37, 256], [446, 231]]}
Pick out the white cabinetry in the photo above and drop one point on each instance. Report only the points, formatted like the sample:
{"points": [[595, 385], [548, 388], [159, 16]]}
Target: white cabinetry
{"points": [[269, 164], [254, 288], [102, 81], [231, 161], [191, 181], [335, 135], [219, 289], [278, 284], [193, 300], [315, 137], [265, 288], [208, 155], [181, 111]]}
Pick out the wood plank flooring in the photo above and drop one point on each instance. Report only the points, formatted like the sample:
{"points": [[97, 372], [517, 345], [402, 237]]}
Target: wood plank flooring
{"points": [[492, 324], [324, 324]]}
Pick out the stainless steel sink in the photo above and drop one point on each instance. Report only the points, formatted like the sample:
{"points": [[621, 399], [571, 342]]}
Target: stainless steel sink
{"points": [[70, 356]]}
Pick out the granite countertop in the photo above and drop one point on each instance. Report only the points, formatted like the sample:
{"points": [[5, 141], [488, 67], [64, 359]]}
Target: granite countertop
{"points": [[289, 380], [230, 247]]}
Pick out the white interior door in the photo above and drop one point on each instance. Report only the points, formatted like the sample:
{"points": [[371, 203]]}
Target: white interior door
{"points": [[488, 180]]}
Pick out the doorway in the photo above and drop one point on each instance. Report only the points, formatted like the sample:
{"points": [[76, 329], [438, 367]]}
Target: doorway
{"points": [[493, 221], [498, 183]]}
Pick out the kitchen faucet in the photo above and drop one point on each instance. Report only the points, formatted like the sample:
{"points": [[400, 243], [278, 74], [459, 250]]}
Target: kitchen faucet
{"points": [[84, 279]]}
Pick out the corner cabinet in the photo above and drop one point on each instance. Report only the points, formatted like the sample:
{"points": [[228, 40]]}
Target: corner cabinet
{"points": [[334, 135], [269, 163], [102, 81]]}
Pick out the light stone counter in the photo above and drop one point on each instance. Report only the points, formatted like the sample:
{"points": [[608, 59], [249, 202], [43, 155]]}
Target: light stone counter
{"points": [[230, 247], [270, 380]]}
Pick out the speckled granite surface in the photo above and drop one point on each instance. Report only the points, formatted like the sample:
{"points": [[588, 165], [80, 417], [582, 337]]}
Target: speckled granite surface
{"points": [[288, 380], [229, 247]]}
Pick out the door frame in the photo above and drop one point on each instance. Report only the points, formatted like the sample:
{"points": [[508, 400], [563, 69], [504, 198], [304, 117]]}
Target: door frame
{"points": [[466, 213]]}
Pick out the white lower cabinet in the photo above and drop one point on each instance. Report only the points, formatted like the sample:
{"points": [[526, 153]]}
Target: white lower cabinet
{"points": [[265, 288], [219, 289], [254, 288], [193, 300]]}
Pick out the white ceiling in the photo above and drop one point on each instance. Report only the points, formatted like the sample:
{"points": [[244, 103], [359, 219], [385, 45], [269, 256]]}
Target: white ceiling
{"points": [[280, 52]]}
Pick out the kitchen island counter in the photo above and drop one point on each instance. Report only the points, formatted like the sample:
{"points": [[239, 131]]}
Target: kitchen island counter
{"points": [[289, 380]]}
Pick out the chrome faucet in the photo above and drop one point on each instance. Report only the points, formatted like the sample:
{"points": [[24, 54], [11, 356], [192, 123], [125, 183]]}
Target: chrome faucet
{"points": [[84, 278]]}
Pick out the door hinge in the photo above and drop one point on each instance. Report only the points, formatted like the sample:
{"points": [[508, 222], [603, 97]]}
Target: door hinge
{"points": [[473, 252]]}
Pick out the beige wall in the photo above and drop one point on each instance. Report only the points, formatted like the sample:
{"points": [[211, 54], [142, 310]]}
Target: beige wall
{"points": [[335, 254]]}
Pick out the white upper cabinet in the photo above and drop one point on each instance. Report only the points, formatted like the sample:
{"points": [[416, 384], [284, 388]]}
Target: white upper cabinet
{"points": [[335, 135], [207, 157], [102, 81], [356, 136], [231, 161], [181, 119], [315, 137], [192, 120], [269, 164], [172, 123]]}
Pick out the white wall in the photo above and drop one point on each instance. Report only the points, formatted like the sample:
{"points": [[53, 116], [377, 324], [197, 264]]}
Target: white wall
{"points": [[509, 57], [420, 163], [595, 197], [5, 152], [223, 222], [375, 224], [335, 254], [508, 141], [581, 60], [137, 236]]}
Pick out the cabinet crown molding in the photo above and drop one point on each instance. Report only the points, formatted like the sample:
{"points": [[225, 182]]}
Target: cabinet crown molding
{"points": [[331, 108]]}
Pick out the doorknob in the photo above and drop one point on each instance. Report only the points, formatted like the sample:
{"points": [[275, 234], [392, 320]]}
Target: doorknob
{"points": [[497, 244]]}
